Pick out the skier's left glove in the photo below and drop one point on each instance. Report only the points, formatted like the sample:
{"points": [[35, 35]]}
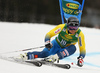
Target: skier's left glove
{"points": [[48, 45], [80, 61]]}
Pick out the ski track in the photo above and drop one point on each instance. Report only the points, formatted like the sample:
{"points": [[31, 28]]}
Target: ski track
{"points": [[18, 36]]}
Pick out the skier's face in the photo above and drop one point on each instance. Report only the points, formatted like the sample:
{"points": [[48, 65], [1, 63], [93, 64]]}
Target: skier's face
{"points": [[72, 31]]}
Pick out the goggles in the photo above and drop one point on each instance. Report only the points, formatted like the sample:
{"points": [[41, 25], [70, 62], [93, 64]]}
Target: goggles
{"points": [[73, 24], [73, 27]]}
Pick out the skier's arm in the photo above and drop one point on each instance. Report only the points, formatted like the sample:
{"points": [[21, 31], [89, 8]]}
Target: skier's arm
{"points": [[54, 32], [81, 42]]}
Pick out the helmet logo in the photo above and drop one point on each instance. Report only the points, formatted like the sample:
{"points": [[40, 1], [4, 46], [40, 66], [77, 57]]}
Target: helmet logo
{"points": [[73, 24], [72, 5]]}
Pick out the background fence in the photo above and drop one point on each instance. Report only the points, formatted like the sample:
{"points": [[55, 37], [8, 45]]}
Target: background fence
{"points": [[46, 11]]}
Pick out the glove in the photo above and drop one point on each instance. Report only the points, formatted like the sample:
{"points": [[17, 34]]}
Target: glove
{"points": [[48, 45], [80, 61]]}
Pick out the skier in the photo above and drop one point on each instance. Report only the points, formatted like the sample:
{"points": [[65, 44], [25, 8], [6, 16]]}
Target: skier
{"points": [[63, 45]]}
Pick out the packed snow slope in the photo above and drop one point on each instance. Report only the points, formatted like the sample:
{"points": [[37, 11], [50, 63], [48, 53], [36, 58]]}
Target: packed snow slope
{"points": [[19, 36]]}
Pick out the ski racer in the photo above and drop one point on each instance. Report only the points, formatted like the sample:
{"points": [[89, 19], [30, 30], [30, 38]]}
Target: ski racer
{"points": [[64, 44]]}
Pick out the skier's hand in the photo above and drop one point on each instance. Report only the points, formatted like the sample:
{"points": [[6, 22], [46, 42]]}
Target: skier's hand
{"points": [[80, 61], [48, 45]]}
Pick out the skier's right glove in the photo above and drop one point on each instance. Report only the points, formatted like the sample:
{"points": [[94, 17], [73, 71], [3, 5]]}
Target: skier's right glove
{"points": [[48, 45]]}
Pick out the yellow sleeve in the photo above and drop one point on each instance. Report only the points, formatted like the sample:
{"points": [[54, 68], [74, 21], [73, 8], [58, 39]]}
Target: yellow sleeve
{"points": [[81, 42], [54, 31]]}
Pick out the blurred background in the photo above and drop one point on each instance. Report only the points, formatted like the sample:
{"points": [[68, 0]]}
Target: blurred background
{"points": [[46, 11]]}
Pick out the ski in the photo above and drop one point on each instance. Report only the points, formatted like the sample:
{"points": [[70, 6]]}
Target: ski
{"points": [[34, 62], [37, 63], [20, 61], [65, 66], [42, 62]]}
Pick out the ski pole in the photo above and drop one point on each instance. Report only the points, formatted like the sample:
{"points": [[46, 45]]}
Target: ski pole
{"points": [[61, 11], [23, 50], [32, 48]]}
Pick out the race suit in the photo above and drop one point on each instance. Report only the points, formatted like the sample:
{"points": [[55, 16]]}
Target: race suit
{"points": [[63, 44]]}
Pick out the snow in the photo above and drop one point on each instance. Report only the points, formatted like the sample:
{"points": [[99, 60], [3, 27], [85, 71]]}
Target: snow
{"points": [[19, 36]]}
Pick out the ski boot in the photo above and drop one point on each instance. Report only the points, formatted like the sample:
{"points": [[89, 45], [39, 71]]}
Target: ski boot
{"points": [[52, 58], [21, 57]]}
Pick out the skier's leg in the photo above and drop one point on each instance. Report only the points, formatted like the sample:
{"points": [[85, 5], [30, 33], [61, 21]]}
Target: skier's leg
{"points": [[66, 51], [36, 54], [45, 52]]}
